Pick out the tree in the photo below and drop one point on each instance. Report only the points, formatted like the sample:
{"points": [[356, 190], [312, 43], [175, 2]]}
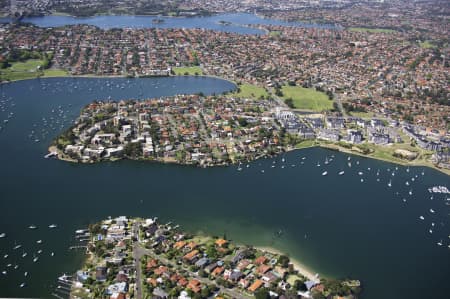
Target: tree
{"points": [[283, 261], [262, 294]]}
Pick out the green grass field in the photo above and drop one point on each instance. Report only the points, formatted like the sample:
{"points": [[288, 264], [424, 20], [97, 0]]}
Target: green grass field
{"points": [[307, 98], [370, 30], [427, 45], [189, 70], [275, 33], [28, 70], [250, 91]]}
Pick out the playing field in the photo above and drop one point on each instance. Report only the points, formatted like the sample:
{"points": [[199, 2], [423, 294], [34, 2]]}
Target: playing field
{"points": [[307, 98], [250, 91]]}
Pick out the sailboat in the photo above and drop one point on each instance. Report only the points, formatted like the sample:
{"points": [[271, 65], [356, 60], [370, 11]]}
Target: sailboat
{"points": [[390, 183]]}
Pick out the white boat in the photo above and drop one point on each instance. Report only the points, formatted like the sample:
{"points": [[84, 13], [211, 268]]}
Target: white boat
{"points": [[25, 274], [35, 259], [360, 173], [349, 164], [439, 243], [348, 159], [341, 172], [282, 160], [324, 173], [407, 183], [39, 241], [318, 164], [422, 218], [407, 169], [239, 169], [326, 161], [410, 192], [431, 211], [262, 171], [32, 227], [24, 254], [390, 183], [432, 224], [5, 256], [39, 251], [431, 231], [52, 254], [17, 247], [22, 285], [52, 226], [4, 272], [362, 180], [2, 235]]}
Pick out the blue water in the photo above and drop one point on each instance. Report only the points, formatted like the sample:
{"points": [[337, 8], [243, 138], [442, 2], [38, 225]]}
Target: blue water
{"points": [[238, 20], [336, 225]]}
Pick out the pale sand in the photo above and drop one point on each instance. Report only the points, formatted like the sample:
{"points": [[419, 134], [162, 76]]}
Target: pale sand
{"points": [[302, 269]]}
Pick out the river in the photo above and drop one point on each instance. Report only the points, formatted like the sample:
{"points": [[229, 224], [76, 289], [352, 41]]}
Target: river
{"points": [[234, 22], [335, 225]]}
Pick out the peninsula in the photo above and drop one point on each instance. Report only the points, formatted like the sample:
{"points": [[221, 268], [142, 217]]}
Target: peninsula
{"points": [[142, 258], [192, 130]]}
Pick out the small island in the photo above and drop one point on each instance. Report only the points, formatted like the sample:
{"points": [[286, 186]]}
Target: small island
{"points": [[188, 130], [142, 258]]}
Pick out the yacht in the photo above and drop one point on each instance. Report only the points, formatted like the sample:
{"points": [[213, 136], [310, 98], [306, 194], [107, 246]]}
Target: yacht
{"points": [[35, 259], [2, 235], [324, 173], [25, 274], [362, 180], [439, 243], [52, 226], [390, 183], [430, 230], [422, 218], [52, 254], [22, 285], [4, 272], [39, 251], [410, 192], [32, 227], [17, 247], [349, 164], [407, 169], [318, 164], [407, 183], [326, 161], [24, 254], [5, 256], [39, 241], [341, 172], [360, 173], [431, 210]]}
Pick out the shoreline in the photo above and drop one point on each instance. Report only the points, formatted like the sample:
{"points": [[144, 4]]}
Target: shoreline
{"points": [[300, 267], [335, 147]]}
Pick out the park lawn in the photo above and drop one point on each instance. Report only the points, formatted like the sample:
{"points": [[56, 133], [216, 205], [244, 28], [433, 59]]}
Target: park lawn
{"points": [[55, 73], [427, 45], [189, 70], [28, 70], [307, 98], [370, 30], [250, 91], [361, 114], [275, 33], [306, 143]]}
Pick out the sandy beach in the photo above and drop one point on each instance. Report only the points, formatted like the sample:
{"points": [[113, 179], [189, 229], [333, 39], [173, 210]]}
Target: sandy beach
{"points": [[302, 269]]}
